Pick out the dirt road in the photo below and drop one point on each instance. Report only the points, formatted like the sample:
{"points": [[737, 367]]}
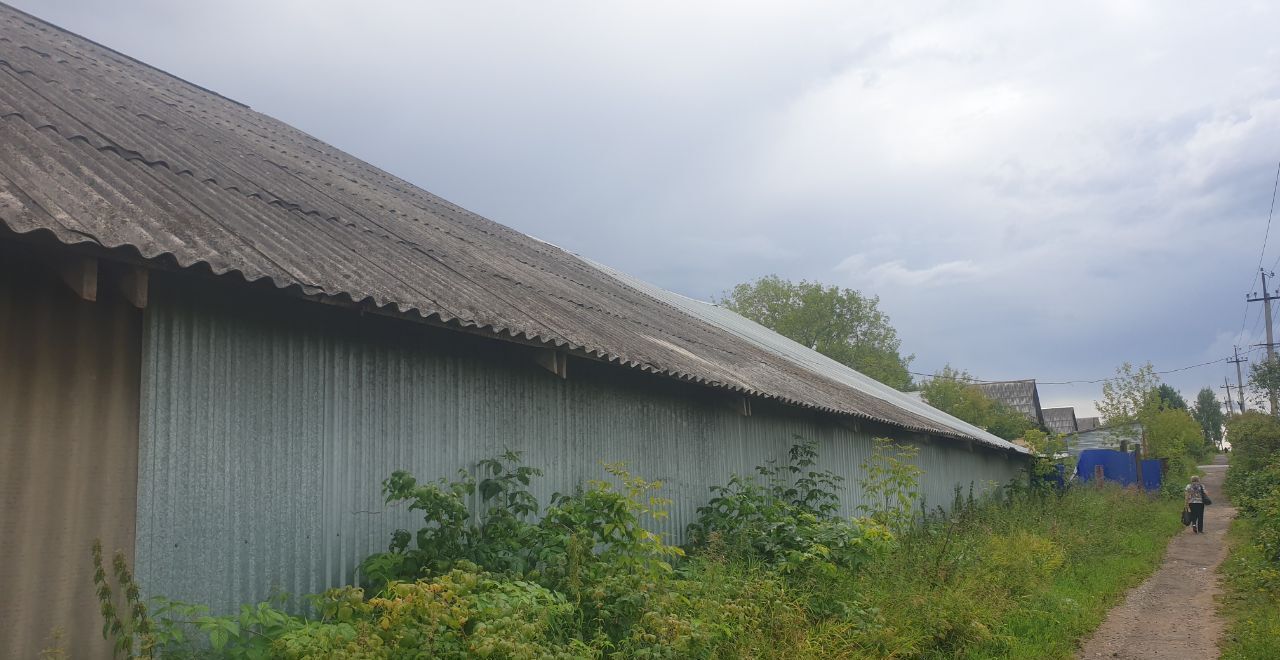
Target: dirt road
{"points": [[1172, 614]]}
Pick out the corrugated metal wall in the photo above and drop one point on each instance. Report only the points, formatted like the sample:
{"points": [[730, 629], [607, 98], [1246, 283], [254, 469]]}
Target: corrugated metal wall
{"points": [[68, 454], [265, 437]]}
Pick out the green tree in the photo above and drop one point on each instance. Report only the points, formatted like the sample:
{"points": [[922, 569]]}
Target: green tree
{"points": [[1172, 433], [1126, 395], [1169, 398], [1048, 452], [1007, 422], [1264, 378], [842, 324], [1208, 413], [951, 391], [1254, 438]]}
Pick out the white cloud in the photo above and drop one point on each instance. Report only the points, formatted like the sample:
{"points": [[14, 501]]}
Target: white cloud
{"points": [[896, 274]]}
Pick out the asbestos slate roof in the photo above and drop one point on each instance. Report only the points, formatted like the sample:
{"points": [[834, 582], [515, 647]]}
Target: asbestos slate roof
{"points": [[1060, 420], [1022, 395], [97, 148]]}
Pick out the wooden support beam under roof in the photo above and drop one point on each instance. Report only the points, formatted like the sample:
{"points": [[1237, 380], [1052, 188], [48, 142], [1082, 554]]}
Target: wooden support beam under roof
{"points": [[133, 284], [557, 362], [81, 274]]}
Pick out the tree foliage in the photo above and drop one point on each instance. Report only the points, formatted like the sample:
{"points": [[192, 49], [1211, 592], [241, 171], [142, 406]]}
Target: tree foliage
{"points": [[951, 391], [842, 324], [1264, 378], [1208, 414], [1126, 395], [1169, 398], [1172, 433], [1254, 438]]}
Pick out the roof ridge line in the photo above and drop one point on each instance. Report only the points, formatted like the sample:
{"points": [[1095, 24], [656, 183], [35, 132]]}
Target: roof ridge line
{"points": [[57, 28]]}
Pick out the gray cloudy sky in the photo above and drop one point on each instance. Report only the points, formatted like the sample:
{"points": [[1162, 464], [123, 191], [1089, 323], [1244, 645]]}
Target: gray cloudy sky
{"points": [[1034, 189]]}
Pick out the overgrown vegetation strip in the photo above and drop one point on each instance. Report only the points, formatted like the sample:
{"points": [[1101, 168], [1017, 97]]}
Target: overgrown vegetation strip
{"points": [[771, 570], [1252, 570]]}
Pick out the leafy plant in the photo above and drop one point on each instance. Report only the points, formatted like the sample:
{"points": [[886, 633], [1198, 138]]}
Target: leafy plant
{"points": [[463, 613], [501, 541], [891, 484], [125, 623], [188, 630], [593, 547], [785, 516], [1049, 458]]}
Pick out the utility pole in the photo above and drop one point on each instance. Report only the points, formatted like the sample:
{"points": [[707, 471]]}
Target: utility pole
{"points": [[1266, 299], [1231, 405], [1239, 376]]}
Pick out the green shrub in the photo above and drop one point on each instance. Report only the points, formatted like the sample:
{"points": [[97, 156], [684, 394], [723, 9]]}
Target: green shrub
{"points": [[464, 613], [1252, 601], [1252, 569], [593, 547], [717, 608], [891, 484], [501, 541], [785, 517]]}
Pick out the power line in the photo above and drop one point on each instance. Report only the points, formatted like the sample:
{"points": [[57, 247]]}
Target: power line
{"points": [[1274, 188], [1076, 382], [1263, 252], [1245, 317]]}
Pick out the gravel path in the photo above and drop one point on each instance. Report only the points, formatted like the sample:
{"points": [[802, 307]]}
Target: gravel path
{"points": [[1173, 614]]}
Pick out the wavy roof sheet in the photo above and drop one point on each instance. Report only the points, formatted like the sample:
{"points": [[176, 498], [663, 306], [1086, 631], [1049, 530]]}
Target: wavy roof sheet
{"points": [[1060, 420], [1022, 395], [98, 148]]}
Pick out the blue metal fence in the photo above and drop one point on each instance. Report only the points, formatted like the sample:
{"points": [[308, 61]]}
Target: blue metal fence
{"points": [[1117, 466]]}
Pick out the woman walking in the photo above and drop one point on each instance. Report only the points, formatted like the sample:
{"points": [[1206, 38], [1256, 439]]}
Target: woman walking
{"points": [[1196, 498]]}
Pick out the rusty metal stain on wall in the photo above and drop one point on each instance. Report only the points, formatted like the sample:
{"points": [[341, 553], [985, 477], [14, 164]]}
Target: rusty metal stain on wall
{"points": [[266, 434], [69, 374]]}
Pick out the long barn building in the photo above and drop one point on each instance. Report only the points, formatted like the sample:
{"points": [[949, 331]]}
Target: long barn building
{"points": [[219, 334]]}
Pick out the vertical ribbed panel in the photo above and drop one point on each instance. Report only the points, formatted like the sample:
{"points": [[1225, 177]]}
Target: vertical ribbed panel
{"points": [[68, 453], [265, 439]]}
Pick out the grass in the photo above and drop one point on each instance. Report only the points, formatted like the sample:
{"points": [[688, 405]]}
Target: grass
{"points": [[1027, 579], [1252, 602]]}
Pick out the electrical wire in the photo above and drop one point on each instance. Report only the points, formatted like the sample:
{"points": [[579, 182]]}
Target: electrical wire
{"points": [[1078, 382], [1263, 253]]}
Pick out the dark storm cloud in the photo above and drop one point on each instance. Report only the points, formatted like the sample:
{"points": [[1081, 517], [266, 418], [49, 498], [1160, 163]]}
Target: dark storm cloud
{"points": [[1033, 190]]}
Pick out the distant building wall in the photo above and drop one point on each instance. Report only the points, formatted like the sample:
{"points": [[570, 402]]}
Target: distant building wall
{"points": [[69, 373], [266, 433], [1108, 437]]}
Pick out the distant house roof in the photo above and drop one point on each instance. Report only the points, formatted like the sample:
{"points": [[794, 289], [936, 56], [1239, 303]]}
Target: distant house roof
{"points": [[100, 150], [1060, 420], [1021, 395], [1087, 423]]}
